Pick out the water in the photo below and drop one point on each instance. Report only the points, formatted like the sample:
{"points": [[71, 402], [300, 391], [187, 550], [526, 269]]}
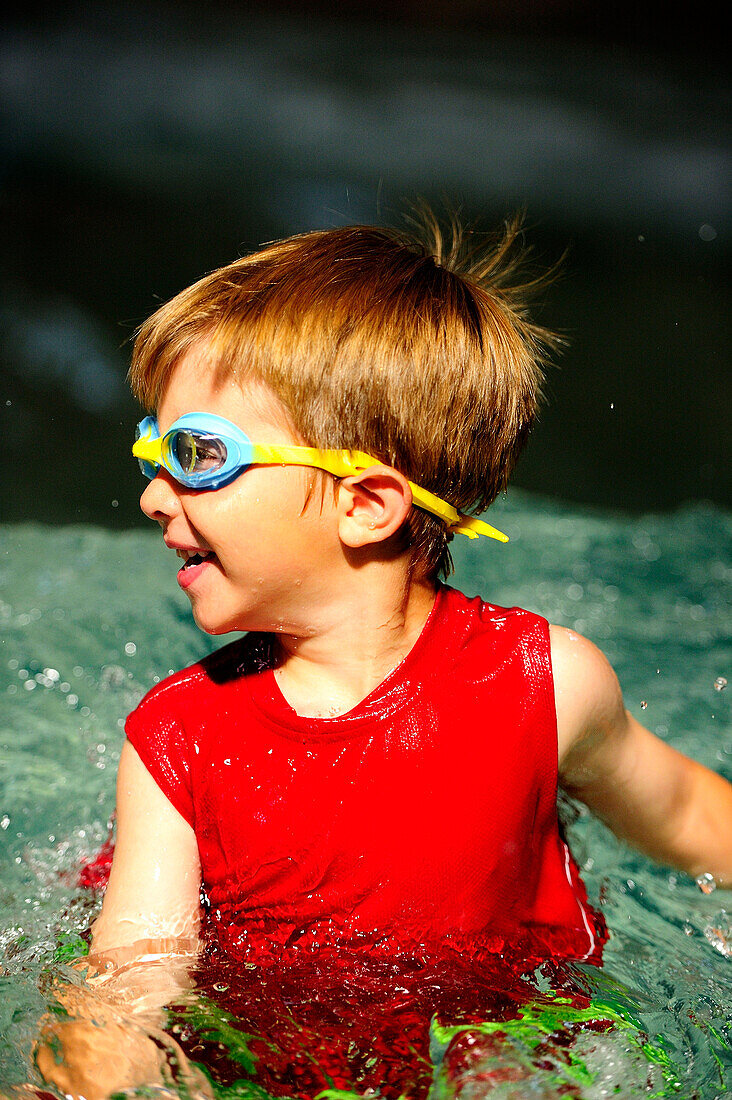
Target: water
{"points": [[89, 619]]}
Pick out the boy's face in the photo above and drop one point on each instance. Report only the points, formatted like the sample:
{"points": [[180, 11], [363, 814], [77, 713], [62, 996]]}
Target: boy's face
{"points": [[266, 555]]}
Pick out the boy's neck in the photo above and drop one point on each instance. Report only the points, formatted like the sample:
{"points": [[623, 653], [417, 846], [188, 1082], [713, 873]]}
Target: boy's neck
{"points": [[353, 648]]}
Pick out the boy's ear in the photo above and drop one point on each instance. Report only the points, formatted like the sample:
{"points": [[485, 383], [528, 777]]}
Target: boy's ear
{"points": [[372, 505]]}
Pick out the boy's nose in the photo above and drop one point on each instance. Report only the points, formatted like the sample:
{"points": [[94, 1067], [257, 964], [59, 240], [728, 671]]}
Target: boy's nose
{"points": [[160, 499]]}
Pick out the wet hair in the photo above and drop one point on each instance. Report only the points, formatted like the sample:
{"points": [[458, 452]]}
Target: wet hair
{"points": [[412, 345]]}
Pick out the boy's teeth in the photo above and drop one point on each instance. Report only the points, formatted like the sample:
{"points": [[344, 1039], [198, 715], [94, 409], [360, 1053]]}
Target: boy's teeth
{"points": [[195, 559]]}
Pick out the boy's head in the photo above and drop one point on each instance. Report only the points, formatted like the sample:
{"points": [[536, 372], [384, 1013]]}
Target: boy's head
{"points": [[373, 340]]}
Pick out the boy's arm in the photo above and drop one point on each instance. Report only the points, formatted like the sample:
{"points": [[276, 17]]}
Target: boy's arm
{"points": [[143, 944], [154, 885], [675, 810]]}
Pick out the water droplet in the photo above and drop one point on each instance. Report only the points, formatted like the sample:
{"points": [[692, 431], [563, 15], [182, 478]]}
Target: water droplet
{"points": [[130, 649], [4, 821], [719, 934], [706, 883], [720, 683], [115, 504], [220, 987], [707, 232], [612, 404], [644, 704]]}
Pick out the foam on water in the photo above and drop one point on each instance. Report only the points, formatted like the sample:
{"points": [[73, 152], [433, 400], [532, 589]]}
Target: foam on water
{"points": [[90, 619]]}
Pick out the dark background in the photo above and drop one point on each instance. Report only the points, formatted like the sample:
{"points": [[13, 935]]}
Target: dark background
{"points": [[144, 145]]}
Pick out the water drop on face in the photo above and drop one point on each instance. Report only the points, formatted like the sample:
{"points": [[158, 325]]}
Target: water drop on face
{"points": [[706, 883], [644, 704], [220, 987], [720, 683]]}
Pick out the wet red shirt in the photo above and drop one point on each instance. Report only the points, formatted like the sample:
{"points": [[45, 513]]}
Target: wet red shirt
{"points": [[425, 814]]}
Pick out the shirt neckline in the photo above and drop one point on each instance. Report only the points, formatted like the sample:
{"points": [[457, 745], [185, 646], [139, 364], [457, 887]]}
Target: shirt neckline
{"points": [[394, 691]]}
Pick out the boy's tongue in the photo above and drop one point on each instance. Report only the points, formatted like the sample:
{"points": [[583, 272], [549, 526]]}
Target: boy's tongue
{"points": [[193, 567]]}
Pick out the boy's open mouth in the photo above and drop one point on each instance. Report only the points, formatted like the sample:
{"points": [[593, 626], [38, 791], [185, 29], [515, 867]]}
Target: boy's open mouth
{"points": [[193, 565]]}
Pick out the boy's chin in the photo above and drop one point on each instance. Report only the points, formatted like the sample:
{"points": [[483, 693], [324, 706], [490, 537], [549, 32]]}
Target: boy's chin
{"points": [[213, 626], [238, 620]]}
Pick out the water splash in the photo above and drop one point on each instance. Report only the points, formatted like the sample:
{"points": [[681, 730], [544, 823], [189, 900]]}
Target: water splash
{"points": [[65, 629]]}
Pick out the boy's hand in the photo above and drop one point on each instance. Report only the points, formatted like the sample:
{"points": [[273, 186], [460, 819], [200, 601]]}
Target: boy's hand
{"points": [[111, 1037], [92, 1059], [670, 807]]}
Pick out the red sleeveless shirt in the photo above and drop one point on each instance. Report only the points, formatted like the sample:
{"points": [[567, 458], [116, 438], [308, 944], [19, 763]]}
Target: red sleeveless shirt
{"points": [[426, 814]]}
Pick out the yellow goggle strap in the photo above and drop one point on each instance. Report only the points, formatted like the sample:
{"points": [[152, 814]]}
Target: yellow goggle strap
{"points": [[347, 463], [149, 450]]}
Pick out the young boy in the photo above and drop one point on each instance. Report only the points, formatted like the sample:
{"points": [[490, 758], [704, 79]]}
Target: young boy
{"points": [[377, 760], [307, 773]]}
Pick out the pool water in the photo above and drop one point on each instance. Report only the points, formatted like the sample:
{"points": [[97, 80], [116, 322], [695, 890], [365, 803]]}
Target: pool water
{"points": [[90, 619]]}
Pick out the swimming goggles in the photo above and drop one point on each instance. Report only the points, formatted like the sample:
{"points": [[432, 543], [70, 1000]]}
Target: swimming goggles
{"points": [[204, 451]]}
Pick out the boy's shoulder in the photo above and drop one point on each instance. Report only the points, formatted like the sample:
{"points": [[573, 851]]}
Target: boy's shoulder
{"points": [[479, 610], [245, 656]]}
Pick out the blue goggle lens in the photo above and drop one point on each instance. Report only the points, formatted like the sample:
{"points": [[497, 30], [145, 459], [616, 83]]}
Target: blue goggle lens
{"points": [[199, 457], [193, 454]]}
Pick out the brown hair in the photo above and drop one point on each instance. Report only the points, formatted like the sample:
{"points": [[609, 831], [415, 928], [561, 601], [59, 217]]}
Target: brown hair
{"points": [[414, 347]]}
